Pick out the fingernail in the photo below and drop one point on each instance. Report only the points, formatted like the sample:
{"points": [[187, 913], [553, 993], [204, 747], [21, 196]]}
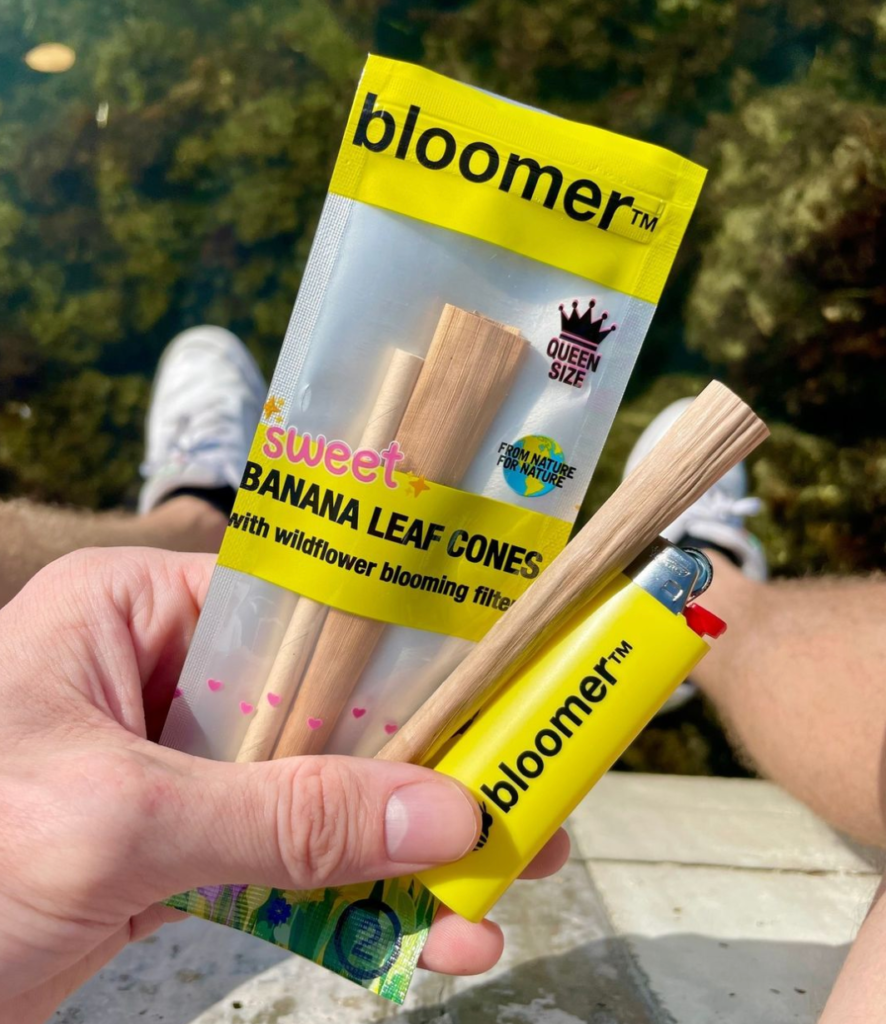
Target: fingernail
{"points": [[430, 823]]}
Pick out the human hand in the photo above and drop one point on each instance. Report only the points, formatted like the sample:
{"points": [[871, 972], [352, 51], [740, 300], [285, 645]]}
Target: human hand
{"points": [[100, 823]]}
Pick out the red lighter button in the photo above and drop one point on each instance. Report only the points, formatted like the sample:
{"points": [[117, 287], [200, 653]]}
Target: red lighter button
{"points": [[703, 622]]}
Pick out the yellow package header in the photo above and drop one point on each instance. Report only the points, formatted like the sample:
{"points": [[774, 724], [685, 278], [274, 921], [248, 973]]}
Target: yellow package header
{"points": [[349, 530], [596, 204]]}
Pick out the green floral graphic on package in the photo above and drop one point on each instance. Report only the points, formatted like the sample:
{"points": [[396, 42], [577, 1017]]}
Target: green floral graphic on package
{"points": [[371, 933]]}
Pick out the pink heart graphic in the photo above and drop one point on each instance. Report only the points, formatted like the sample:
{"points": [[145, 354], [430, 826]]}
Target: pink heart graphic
{"points": [[315, 723], [358, 712], [177, 693], [247, 709], [214, 684], [273, 699], [391, 727]]}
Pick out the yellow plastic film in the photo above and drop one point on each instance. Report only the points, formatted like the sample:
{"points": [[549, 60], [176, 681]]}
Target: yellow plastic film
{"points": [[356, 534]]}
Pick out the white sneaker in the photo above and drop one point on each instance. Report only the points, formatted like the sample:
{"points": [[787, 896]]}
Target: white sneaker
{"points": [[717, 517], [205, 404]]}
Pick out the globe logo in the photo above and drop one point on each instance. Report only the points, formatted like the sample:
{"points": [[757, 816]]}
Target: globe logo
{"points": [[532, 465]]}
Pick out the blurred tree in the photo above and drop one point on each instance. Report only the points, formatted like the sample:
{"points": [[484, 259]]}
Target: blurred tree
{"points": [[172, 177], [789, 302], [790, 295], [654, 68], [175, 174]]}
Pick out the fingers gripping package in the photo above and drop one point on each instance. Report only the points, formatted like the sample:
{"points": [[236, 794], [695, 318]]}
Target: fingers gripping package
{"points": [[481, 281]]}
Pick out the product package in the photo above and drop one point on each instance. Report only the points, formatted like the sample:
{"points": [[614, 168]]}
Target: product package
{"points": [[482, 278]]}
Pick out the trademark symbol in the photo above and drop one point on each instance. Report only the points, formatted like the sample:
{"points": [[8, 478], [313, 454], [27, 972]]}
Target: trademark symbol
{"points": [[646, 222], [620, 652]]}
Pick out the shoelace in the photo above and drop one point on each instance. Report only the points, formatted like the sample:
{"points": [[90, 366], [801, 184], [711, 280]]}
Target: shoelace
{"points": [[717, 506], [202, 436]]}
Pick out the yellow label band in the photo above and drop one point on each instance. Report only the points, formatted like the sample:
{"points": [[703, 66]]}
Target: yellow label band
{"points": [[349, 530], [596, 204], [538, 746]]}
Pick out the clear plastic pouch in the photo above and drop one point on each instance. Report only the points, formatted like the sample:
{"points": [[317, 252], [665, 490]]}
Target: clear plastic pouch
{"points": [[443, 196]]}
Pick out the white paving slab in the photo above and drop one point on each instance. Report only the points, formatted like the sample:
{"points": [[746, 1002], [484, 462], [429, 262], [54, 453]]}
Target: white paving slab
{"points": [[731, 822], [736, 902], [727, 946], [170, 977]]}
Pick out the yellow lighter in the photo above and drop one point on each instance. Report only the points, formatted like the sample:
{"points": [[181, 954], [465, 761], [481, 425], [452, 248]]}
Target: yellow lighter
{"points": [[533, 752]]}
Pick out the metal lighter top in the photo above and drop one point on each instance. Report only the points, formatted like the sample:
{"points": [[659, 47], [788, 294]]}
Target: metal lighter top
{"points": [[673, 576]]}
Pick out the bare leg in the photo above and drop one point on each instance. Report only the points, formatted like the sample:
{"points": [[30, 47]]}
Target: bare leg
{"points": [[800, 678], [33, 535], [860, 992]]}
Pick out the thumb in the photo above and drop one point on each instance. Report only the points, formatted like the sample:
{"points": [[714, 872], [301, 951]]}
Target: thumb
{"points": [[303, 822]]}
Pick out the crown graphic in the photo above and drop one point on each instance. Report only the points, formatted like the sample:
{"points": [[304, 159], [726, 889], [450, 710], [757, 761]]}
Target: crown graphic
{"points": [[581, 326]]}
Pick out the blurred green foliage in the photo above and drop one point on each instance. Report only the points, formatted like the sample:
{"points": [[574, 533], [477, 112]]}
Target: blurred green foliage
{"points": [[176, 173]]}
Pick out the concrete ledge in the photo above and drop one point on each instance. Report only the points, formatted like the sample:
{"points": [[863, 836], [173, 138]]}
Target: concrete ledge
{"points": [[737, 904], [698, 901], [731, 822]]}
